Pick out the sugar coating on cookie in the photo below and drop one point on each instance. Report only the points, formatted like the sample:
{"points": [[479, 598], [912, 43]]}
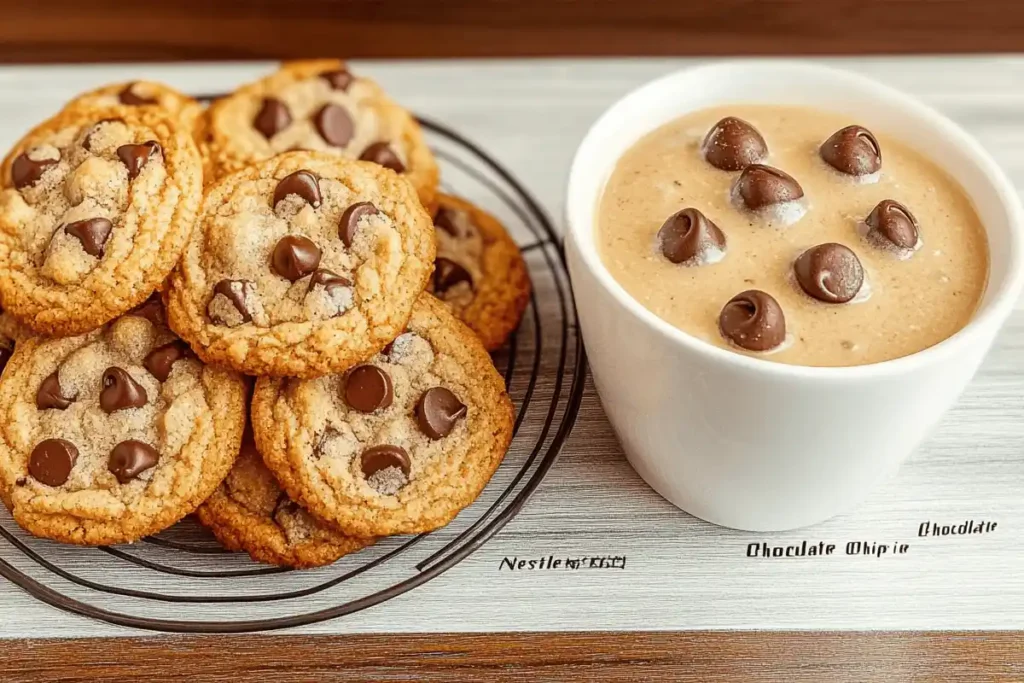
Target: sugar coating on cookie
{"points": [[318, 106], [398, 444], [304, 264], [95, 208], [114, 435], [250, 512]]}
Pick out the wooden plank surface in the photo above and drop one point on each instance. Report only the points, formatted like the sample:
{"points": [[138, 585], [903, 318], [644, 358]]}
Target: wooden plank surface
{"points": [[108, 30]]}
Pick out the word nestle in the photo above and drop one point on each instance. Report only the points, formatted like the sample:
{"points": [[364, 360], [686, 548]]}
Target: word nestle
{"points": [[570, 563]]}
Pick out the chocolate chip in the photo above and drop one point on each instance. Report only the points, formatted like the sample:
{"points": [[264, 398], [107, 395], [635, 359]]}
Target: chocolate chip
{"points": [[295, 257], [853, 151], [339, 79], [350, 220], [760, 186], [368, 388], [890, 224], [152, 309], [161, 359], [120, 391], [445, 220], [687, 237], [51, 396], [379, 458], [328, 280], [448, 273], [236, 291], [437, 411], [6, 351], [829, 272], [26, 172], [272, 118], [92, 233], [334, 125], [52, 460], [732, 144], [137, 156], [753, 320], [381, 153], [301, 183], [128, 96], [129, 459]]}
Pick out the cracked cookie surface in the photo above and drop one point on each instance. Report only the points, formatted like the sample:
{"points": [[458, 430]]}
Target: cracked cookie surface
{"points": [[479, 271], [399, 444], [114, 435], [318, 105], [302, 265], [96, 206]]}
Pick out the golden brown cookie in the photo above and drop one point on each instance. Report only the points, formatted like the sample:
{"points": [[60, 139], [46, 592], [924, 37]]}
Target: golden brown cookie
{"points": [[396, 445], [96, 206], [250, 512], [114, 435], [318, 105], [302, 265], [179, 106], [479, 271]]}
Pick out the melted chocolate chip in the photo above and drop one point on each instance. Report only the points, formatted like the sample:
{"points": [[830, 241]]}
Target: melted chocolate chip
{"points": [[301, 183], [437, 412], [26, 171], [92, 233], [295, 257], [379, 458], [381, 153], [129, 459], [128, 96], [760, 186], [350, 220], [444, 219], [6, 351], [829, 272], [51, 396], [152, 309], [236, 292], [161, 360], [120, 391], [334, 125], [368, 388], [328, 280], [732, 144], [135, 157], [891, 225], [448, 273], [52, 460], [272, 118], [753, 320], [687, 237], [339, 79], [853, 151]]}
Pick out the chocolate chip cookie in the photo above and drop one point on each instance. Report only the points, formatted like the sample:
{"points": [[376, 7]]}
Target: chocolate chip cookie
{"points": [[113, 435], [96, 206], [479, 271], [318, 105], [398, 444], [249, 512], [302, 265], [178, 106]]}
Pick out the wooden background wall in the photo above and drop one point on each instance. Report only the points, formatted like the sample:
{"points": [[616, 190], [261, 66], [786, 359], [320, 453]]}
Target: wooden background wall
{"points": [[111, 30]]}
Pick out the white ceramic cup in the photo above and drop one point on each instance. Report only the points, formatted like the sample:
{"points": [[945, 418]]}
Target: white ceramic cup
{"points": [[744, 442]]}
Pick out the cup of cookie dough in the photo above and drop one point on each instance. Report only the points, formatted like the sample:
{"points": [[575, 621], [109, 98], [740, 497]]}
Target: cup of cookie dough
{"points": [[737, 438]]}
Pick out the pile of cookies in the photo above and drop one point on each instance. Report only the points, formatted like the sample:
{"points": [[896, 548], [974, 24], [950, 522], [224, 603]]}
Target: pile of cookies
{"points": [[156, 256]]}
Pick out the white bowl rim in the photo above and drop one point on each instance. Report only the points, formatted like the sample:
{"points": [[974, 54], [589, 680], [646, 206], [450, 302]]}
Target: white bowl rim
{"points": [[992, 315]]}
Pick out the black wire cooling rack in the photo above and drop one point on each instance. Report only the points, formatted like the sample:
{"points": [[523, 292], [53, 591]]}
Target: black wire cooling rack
{"points": [[182, 581]]}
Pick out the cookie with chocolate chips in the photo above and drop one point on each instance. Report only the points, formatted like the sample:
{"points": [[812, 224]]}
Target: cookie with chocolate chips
{"points": [[108, 437], [399, 444], [249, 512], [96, 206], [282, 278], [185, 110], [318, 105], [479, 271]]}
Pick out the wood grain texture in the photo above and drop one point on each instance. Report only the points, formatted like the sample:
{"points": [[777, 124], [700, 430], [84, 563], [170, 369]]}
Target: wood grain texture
{"points": [[784, 657], [108, 30]]}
